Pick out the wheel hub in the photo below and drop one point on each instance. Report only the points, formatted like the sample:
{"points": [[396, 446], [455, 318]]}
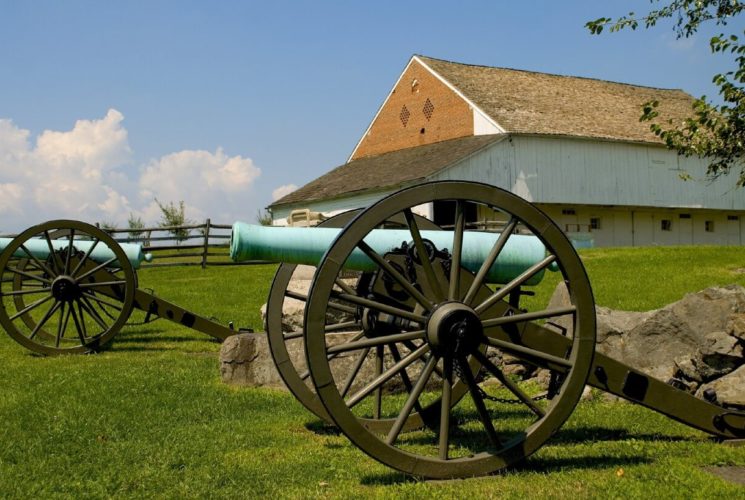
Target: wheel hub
{"points": [[65, 289], [454, 329]]}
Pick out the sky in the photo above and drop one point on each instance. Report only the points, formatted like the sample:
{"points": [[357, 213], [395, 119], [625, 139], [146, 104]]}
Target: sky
{"points": [[106, 107]]}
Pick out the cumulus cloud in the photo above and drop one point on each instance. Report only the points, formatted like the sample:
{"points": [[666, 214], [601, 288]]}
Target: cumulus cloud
{"points": [[86, 173], [283, 191], [210, 184]]}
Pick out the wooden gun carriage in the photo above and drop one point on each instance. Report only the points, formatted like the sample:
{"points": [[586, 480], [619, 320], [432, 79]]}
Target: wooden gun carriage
{"points": [[431, 311]]}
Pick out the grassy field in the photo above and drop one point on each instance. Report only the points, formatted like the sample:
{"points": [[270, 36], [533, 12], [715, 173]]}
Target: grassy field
{"points": [[150, 417]]}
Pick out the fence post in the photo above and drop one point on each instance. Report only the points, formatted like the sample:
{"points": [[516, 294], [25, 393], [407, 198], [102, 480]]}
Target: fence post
{"points": [[206, 243]]}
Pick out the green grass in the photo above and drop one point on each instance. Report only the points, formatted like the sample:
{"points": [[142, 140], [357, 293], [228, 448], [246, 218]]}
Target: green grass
{"points": [[150, 417]]}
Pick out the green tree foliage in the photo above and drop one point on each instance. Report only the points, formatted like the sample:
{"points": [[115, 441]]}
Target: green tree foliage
{"points": [[714, 131], [263, 217], [173, 217], [135, 226]]}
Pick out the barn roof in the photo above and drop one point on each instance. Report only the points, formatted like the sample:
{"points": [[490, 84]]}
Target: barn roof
{"points": [[388, 169], [519, 102], [540, 103]]}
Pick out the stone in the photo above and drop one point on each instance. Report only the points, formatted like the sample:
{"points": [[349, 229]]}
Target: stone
{"points": [[686, 369], [245, 360], [730, 388], [679, 330], [719, 356], [736, 326]]}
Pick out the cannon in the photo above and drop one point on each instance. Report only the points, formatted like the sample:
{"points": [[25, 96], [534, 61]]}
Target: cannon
{"points": [[405, 343]]}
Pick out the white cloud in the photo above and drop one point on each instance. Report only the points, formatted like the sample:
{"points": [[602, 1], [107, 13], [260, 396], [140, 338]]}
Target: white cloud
{"points": [[210, 184], [283, 191], [82, 174]]}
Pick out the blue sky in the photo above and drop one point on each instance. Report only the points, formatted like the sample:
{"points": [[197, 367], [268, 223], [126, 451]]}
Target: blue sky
{"points": [[105, 106]]}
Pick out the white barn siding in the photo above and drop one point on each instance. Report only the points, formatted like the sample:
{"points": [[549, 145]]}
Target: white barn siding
{"points": [[629, 188]]}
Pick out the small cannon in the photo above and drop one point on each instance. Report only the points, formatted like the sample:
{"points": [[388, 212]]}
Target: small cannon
{"points": [[404, 340]]}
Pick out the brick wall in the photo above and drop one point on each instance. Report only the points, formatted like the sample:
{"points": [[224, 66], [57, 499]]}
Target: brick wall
{"points": [[421, 110]]}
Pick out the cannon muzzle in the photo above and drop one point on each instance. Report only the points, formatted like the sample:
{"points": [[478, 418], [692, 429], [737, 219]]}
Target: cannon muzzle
{"points": [[39, 248], [298, 245]]}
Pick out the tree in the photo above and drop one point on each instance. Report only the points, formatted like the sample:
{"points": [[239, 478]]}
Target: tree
{"points": [[135, 226], [714, 132], [173, 217], [264, 218]]}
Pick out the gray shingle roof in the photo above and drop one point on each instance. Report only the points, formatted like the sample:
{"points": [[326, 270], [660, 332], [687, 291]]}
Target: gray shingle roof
{"points": [[388, 169], [540, 103]]}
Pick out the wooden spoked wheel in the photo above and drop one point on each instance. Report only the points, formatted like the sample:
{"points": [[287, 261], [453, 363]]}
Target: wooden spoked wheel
{"points": [[444, 314], [346, 323], [67, 287]]}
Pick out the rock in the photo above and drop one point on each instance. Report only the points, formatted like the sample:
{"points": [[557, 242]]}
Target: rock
{"points": [[680, 329], [719, 356], [736, 326], [686, 369], [243, 361], [730, 389]]}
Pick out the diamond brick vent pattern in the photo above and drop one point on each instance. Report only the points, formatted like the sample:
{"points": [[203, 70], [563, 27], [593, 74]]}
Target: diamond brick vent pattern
{"points": [[404, 115], [428, 109]]}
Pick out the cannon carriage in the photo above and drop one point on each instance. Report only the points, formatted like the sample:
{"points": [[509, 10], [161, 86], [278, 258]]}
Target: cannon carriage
{"points": [[431, 312]]}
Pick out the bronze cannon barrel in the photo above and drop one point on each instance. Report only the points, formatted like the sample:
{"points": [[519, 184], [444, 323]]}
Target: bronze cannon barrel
{"points": [[298, 245]]}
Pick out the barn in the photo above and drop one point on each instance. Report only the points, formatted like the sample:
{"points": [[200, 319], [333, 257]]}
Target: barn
{"points": [[573, 146]]}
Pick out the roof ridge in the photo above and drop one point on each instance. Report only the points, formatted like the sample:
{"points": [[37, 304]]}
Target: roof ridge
{"points": [[555, 75]]}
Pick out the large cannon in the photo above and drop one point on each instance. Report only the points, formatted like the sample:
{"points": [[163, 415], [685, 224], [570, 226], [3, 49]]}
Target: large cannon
{"points": [[434, 328]]}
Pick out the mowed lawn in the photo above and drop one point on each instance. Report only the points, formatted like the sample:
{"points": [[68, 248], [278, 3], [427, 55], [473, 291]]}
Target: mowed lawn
{"points": [[149, 416]]}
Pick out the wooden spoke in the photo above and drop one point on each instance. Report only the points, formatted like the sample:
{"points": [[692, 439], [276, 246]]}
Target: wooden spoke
{"points": [[103, 283], [85, 257], [376, 341], [64, 316], [90, 296], [40, 265], [30, 307], [24, 292], [527, 351], [478, 401], [70, 247], [387, 375], [489, 261], [331, 305], [97, 268], [509, 384], [421, 251], [454, 288], [361, 357], [29, 275], [378, 306], [52, 253], [87, 307], [78, 326], [447, 391], [522, 317], [506, 289], [411, 401], [44, 319]]}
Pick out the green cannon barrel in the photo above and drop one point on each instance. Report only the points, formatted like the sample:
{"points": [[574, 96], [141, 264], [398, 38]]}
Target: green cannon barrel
{"points": [[298, 245], [101, 253]]}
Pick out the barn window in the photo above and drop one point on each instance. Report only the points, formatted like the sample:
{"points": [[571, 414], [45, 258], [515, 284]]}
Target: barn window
{"points": [[595, 223], [428, 109], [666, 225], [733, 217], [709, 226], [444, 212], [568, 211], [685, 216], [404, 115]]}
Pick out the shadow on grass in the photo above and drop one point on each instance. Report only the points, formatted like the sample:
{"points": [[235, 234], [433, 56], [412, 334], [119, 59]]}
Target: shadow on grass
{"points": [[589, 434], [322, 428], [530, 465]]}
